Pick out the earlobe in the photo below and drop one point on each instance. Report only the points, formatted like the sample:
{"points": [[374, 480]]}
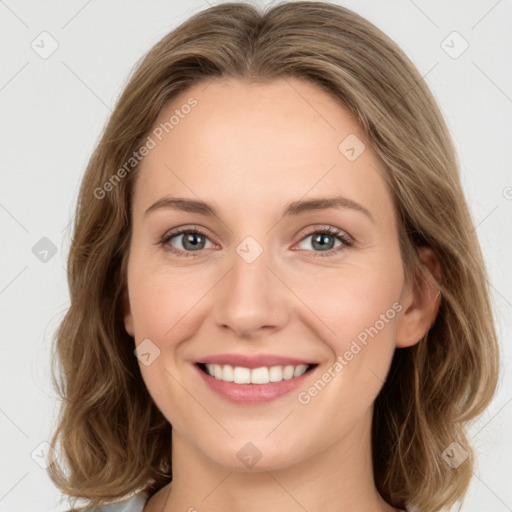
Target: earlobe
{"points": [[128, 317], [422, 301]]}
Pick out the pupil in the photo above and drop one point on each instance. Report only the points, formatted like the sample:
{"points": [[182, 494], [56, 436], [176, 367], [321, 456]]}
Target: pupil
{"points": [[191, 238], [321, 239]]}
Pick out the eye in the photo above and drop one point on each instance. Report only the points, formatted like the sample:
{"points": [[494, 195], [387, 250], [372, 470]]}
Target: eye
{"points": [[192, 241], [324, 238]]}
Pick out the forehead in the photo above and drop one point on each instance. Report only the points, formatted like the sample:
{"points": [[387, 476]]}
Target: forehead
{"points": [[248, 142]]}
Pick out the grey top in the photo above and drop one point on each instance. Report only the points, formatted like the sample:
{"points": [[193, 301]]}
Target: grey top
{"points": [[134, 504]]}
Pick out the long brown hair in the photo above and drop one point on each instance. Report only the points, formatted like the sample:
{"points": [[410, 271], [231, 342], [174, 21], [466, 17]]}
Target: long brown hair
{"points": [[113, 439]]}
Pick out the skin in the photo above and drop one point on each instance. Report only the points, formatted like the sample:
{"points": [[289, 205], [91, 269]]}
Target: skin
{"points": [[248, 150]]}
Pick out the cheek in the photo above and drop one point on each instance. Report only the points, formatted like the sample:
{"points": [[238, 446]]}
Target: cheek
{"points": [[161, 297], [168, 306], [162, 302], [362, 351], [349, 302], [360, 310]]}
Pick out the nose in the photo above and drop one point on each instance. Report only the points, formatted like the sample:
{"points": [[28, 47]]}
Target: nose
{"points": [[251, 300]]}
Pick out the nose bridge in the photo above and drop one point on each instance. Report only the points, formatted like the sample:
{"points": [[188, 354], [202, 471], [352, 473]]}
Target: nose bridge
{"points": [[251, 297]]}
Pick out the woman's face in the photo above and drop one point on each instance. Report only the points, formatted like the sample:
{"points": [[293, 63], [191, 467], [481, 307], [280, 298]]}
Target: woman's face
{"points": [[259, 278]]}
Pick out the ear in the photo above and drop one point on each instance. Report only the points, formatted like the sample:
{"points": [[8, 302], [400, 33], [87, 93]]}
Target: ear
{"points": [[420, 300], [128, 317]]}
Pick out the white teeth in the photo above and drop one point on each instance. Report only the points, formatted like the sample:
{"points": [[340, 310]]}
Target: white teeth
{"points": [[228, 374], [240, 375], [276, 373], [299, 370], [259, 376], [263, 375], [288, 372]]}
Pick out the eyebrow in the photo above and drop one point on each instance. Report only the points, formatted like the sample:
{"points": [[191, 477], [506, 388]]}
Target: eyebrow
{"points": [[294, 208]]}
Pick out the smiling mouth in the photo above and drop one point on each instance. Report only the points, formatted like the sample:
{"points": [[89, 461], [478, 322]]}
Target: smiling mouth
{"points": [[262, 375]]}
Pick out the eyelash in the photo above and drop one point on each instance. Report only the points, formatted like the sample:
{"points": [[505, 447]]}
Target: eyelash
{"points": [[328, 230]]}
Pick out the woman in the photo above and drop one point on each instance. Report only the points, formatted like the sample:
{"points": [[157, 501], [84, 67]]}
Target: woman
{"points": [[278, 300]]}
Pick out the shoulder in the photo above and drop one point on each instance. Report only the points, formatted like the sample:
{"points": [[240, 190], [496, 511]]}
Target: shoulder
{"points": [[134, 504]]}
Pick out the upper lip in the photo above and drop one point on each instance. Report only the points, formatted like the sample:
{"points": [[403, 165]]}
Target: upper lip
{"points": [[253, 361]]}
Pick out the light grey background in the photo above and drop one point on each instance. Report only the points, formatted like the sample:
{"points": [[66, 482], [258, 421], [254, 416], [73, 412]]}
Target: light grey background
{"points": [[52, 112]]}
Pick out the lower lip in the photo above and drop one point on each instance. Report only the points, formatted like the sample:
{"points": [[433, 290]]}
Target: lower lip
{"points": [[253, 394]]}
